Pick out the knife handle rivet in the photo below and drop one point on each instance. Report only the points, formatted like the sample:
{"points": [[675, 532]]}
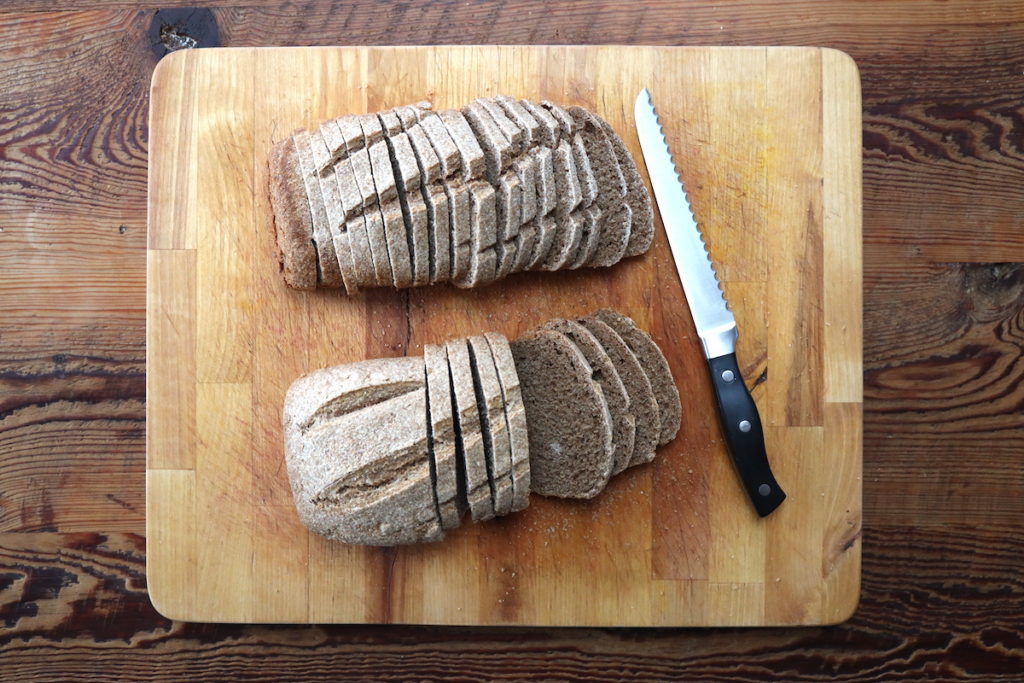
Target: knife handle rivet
{"points": [[728, 376], [744, 426], [764, 489]]}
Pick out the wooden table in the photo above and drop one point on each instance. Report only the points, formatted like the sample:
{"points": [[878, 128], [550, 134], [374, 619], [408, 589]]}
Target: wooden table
{"points": [[944, 333]]}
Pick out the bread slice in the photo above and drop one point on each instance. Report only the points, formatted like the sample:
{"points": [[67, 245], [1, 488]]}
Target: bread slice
{"points": [[611, 196], [644, 407], [570, 428], [451, 503], [509, 195], [434, 196], [592, 218], [407, 181], [548, 129], [328, 270], [568, 227], [509, 129], [468, 437], [491, 404], [336, 210], [547, 199], [498, 150], [338, 135], [584, 171], [473, 239], [515, 418], [526, 240], [398, 240], [376, 236], [566, 123], [526, 122], [656, 367], [341, 141], [612, 388], [293, 221], [641, 232], [356, 450]]}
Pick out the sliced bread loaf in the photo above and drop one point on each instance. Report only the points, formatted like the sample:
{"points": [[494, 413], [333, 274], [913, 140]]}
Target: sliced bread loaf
{"points": [[398, 240], [568, 226], [498, 150], [612, 388], [293, 221], [451, 503], [468, 436], [570, 428], [548, 129], [644, 407], [656, 367], [493, 424], [526, 122], [515, 418]]}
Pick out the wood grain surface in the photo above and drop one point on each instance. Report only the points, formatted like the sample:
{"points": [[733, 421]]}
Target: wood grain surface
{"points": [[675, 543], [944, 282]]}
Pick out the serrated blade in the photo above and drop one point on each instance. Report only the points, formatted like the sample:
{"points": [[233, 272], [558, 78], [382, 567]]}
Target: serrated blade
{"points": [[711, 315]]}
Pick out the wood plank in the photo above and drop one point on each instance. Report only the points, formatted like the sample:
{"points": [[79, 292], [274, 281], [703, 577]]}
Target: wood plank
{"points": [[171, 363], [842, 250], [794, 390], [172, 551], [221, 202], [678, 527]]}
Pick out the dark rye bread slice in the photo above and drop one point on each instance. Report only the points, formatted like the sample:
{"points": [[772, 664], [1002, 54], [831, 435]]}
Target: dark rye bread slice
{"points": [[509, 196], [570, 428], [611, 197], [614, 391], [527, 170], [547, 199], [337, 209], [654, 364], [644, 407], [293, 222], [491, 404], [407, 181], [351, 198], [515, 418], [451, 504], [637, 197], [469, 439], [566, 122], [328, 270], [434, 196]]}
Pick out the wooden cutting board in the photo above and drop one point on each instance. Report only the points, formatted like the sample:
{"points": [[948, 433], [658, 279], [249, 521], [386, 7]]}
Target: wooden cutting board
{"points": [[768, 140]]}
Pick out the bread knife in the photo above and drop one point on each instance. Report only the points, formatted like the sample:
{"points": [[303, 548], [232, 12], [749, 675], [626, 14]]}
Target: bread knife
{"points": [[716, 325]]}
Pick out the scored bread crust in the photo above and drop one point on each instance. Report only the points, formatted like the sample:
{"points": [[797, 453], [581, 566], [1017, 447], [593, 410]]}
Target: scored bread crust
{"points": [[293, 223], [473, 459], [491, 404]]}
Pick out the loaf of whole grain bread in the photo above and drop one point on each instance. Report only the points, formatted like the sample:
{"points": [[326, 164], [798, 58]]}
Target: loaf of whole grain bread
{"points": [[409, 196], [394, 451]]}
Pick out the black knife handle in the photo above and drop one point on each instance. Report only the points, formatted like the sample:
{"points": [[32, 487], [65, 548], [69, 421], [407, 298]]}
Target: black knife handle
{"points": [[744, 435]]}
